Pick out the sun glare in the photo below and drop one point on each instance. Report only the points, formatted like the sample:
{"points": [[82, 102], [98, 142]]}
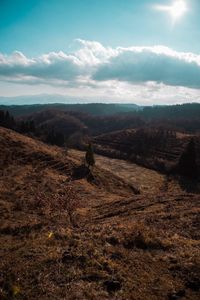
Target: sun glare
{"points": [[177, 9]]}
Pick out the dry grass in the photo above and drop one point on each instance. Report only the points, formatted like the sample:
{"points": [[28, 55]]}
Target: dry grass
{"points": [[80, 239]]}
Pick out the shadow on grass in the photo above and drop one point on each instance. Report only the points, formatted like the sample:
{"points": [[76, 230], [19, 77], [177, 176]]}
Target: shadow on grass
{"points": [[80, 172], [189, 185]]}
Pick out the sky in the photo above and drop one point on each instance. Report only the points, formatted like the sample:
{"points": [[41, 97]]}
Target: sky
{"points": [[130, 51]]}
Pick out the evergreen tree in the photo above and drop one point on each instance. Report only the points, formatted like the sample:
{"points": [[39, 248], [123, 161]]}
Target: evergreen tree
{"points": [[89, 156], [6, 120], [187, 165]]}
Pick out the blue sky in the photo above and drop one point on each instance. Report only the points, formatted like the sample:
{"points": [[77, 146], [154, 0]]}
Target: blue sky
{"points": [[110, 33], [38, 26]]}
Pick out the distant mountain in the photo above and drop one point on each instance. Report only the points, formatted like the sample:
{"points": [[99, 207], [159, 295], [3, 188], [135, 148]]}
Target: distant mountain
{"points": [[36, 99], [50, 99], [90, 108]]}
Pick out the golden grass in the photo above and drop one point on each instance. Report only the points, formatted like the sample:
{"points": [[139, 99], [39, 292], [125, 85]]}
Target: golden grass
{"points": [[63, 239]]}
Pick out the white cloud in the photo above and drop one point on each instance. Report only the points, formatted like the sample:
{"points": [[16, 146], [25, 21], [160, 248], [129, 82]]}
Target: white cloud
{"points": [[159, 64], [152, 74]]}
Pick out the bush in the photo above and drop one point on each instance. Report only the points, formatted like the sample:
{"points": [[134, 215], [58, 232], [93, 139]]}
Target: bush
{"points": [[187, 165]]}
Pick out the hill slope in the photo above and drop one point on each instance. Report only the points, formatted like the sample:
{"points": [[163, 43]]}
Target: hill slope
{"points": [[163, 151], [92, 237]]}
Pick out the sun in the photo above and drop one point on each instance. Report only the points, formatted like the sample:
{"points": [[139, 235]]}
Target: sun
{"points": [[176, 10]]}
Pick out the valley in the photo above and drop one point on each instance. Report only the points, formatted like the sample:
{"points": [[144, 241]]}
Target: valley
{"points": [[147, 181]]}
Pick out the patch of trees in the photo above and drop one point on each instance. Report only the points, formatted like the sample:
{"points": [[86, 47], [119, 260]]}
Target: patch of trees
{"points": [[51, 127], [26, 126], [141, 141], [181, 125], [189, 111], [55, 138], [145, 140], [185, 117], [6, 120], [101, 125]]}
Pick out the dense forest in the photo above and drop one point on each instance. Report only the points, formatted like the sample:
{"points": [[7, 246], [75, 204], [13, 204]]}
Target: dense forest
{"points": [[180, 111], [102, 118]]}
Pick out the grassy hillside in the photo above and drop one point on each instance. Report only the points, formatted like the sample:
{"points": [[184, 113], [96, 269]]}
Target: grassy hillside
{"points": [[156, 148], [94, 236]]}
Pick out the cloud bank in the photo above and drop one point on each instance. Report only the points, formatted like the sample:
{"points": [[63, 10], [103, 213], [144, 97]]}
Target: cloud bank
{"points": [[94, 67], [157, 64]]}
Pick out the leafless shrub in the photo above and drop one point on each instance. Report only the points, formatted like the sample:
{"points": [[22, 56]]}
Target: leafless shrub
{"points": [[46, 203]]}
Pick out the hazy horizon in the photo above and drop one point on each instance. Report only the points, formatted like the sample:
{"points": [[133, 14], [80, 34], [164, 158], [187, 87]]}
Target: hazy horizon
{"points": [[45, 99]]}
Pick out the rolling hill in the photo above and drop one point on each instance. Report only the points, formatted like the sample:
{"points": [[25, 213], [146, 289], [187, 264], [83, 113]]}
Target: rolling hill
{"points": [[69, 234], [17, 108], [156, 148]]}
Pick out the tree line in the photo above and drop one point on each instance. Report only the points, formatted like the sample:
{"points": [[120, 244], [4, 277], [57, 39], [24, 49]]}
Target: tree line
{"points": [[29, 127]]}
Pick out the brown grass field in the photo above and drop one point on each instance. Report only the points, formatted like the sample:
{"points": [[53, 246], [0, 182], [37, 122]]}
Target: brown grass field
{"points": [[123, 232]]}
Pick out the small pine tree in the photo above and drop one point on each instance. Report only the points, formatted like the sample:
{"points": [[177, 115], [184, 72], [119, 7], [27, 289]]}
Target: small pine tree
{"points": [[187, 165], [89, 156]]}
